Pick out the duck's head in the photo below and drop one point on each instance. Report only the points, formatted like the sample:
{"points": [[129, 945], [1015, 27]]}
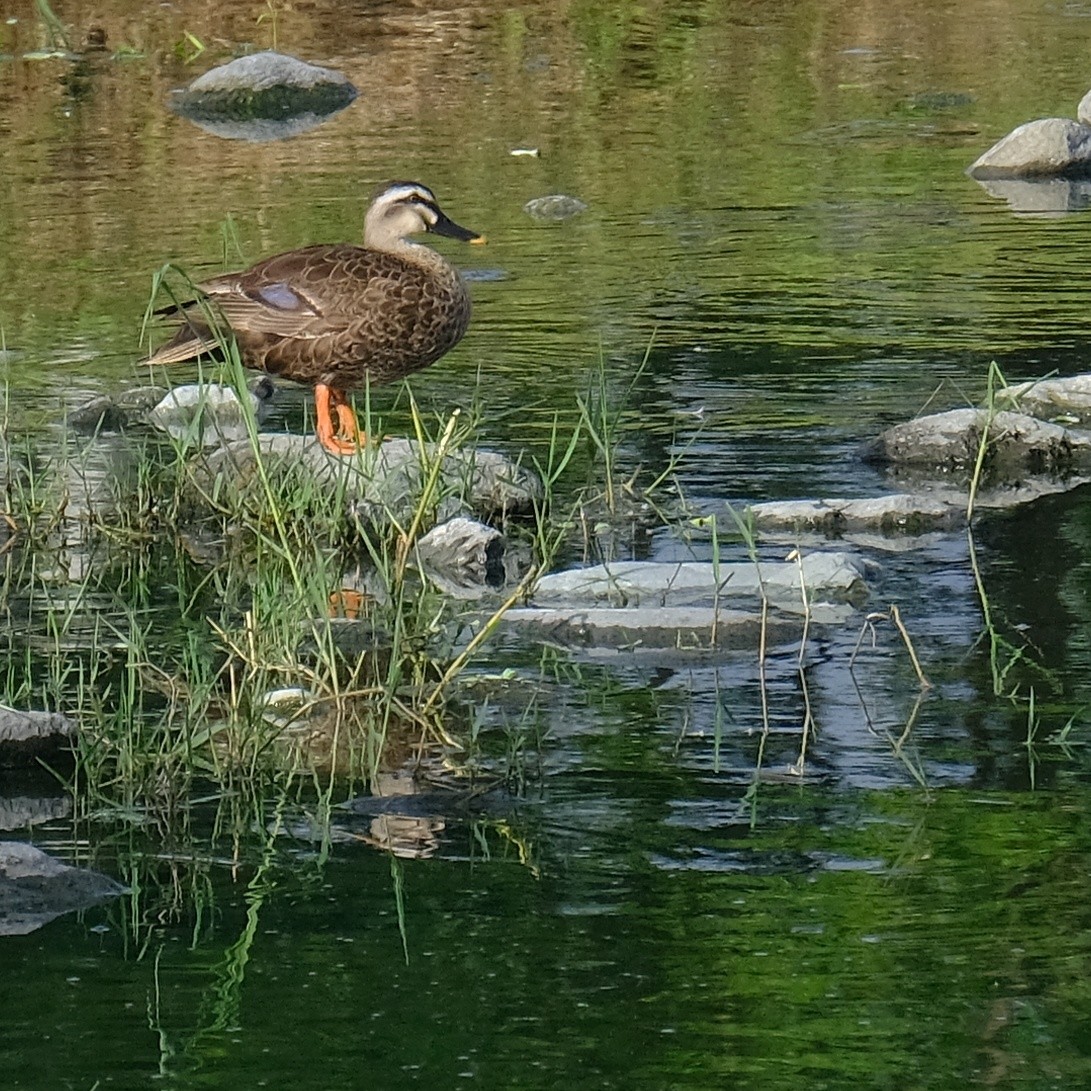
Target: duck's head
{"points": [[401, 209]]}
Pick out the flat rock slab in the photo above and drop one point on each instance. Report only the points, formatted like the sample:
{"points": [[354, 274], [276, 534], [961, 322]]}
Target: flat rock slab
{"points": [[29, 736], [1017, 444], [1052, 147], [380, 481], [896, 513], [825, 575], [35, 888]]}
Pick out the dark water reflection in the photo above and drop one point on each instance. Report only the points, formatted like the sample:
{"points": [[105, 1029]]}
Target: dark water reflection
{"points": [[778, 216]]}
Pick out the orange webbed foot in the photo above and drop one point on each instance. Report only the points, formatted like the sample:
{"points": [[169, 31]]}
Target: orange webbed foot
{"points": [[336, 423]]}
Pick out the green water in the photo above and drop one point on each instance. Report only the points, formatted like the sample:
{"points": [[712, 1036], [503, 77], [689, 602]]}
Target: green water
{"points": [[777, 207]]}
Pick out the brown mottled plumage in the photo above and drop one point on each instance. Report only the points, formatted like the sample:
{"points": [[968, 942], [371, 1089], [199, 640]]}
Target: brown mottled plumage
{"points": [[338, 316]]}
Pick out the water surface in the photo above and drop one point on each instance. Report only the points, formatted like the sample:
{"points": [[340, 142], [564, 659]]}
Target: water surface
{"points": [[778, 216]]}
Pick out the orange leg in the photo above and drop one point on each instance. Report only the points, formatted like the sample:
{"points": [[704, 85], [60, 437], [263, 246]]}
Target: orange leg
{"points": [[337, 429]]}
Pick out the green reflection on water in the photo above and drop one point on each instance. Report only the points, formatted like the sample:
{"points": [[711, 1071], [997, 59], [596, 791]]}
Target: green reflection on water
{"points": [[770, 194]]}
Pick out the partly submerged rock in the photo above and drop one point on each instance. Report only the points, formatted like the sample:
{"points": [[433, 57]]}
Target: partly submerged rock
{"points": [[462, 554], [209, 413], [1067, 399], [264, 96], [29, 736], [823, 576], [1017, 444], [895, 513], [35, 888], [555, 206], [381, 482], [115, 412], [1052, 147]]}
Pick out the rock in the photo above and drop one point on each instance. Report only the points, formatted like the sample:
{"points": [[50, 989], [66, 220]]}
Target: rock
{"points": [[115, 412], [35, 888], [18, 812], [1018, 444], [557, 206], [837, 576], [210, 413], [1083, 111], [896, 513], [26, 737], [1051, 147], [381, 482], [462, 553], [1068, 398], [264, 96]]}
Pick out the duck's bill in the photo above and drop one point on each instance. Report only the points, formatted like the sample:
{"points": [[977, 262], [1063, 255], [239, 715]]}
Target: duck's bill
{"points": [[451, 230]]}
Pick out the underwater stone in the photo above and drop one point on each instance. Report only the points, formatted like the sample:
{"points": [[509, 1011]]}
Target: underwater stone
{"points": [[556, 206], [1050, 147]]}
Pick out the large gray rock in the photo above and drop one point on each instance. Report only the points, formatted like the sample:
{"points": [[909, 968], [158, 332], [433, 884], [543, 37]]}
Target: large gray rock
{"points": [[1051, 147], [824, 575], [35, 888], [1018, 444], [265, 96], [26, 737], [380, 482]]}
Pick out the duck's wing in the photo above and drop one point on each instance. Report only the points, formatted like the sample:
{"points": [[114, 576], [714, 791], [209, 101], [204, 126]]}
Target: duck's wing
{"points": [[308, 293]]}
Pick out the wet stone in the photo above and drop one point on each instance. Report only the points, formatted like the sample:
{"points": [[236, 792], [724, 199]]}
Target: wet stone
{"points": [[35, 888], [824, 575], [1017, 444], [381, 482], [676, 627], [462, 552], [264, 96], [896, 513], [209, 413], [1051, 147], [1067, 399], [115, 412], [27, 736]]}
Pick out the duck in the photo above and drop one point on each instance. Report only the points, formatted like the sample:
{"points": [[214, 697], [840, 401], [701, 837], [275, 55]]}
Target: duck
{"points": [[338, 316]]}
